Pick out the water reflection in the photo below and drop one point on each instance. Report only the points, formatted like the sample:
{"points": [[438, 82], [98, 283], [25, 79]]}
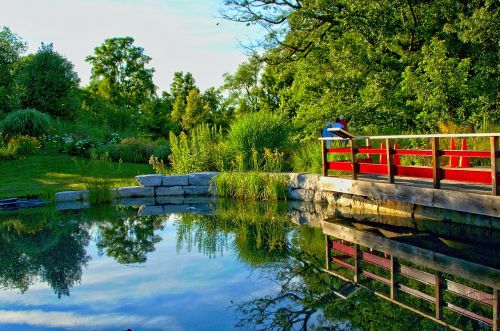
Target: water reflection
{"points": [[239, 265]]}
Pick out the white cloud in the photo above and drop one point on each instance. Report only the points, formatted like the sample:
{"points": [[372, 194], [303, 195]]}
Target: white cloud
{"points": [[42, 318], [178, 35]]}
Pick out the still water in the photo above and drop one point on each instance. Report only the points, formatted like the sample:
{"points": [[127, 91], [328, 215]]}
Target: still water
{"points": [[234, 265]]}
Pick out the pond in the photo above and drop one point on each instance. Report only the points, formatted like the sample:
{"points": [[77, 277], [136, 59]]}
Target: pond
{"points": [[227, 265]]}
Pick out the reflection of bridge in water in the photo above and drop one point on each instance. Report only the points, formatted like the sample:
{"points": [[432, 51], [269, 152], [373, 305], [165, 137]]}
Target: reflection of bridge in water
{"points": [[447, 281]]}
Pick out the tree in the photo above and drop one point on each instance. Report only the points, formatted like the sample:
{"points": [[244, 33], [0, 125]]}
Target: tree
{"points": [[11, 48], [179, 89], [119, 72], [155, 121], [48, 83], [195, 112]]}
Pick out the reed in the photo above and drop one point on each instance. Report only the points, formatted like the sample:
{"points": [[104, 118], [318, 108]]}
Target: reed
{"points": [[251, 185]]}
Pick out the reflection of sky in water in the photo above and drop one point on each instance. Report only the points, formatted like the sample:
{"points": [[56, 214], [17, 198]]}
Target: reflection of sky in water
{"points": [[171, 291]]}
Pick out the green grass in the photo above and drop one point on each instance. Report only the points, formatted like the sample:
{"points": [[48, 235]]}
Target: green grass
{"points": [[251, 185], [44, 174]]}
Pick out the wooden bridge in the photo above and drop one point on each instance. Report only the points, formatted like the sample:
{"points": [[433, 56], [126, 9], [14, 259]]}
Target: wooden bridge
{"points": [[374, 166], [416, 271]]}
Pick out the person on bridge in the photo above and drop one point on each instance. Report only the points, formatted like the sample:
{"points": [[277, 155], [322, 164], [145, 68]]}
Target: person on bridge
{"points": [[343, 122], [325, 133], [338, 124]]}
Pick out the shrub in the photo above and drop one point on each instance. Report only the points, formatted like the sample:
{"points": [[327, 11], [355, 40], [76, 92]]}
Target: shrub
{"points": [[28, 122], [135, 150], [196, 152], [307, 158], [250, 185], [23, 145], [258, 131]]}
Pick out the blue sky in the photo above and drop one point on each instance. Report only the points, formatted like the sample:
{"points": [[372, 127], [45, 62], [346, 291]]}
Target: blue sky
{"points": [[180, 35]]}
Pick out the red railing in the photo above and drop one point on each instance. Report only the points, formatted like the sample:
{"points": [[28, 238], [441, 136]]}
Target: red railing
{"points": [[458, 170]]}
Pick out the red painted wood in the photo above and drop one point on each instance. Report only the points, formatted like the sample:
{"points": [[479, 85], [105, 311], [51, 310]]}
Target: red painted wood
{"points": [[469, 292], [376, 277], [340, 165], [468, 313], [413, 171], [343, 248], [372, 168], [413, 152], [339, 150], [342, 263], [417, 293], [377, 260], [478, 154], [469, 176], [366, 150], [417, 274]]}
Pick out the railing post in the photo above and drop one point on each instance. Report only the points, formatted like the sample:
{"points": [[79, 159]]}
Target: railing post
{"points": [[439, 296], [390, 161], [357, 267], [496, 305], [327, 252], [354, 162], [394, 276], [495, 166], [324, 156], [435, 163]]}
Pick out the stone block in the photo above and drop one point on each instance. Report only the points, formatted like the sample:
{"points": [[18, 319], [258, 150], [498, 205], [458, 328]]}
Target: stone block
{"points": [[175, 180], [149, 180], [196, 190], [302, 194], [150, 211], [201, 178], [169, 190], [144, 201], [321, 197], [68, 196], [169, 200], [72, 205], [303, 181], [85, 195], [176, 209], [136, 192]]}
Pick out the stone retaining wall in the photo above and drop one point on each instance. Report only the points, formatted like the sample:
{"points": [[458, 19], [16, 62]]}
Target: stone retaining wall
{"points": [[160, 190]]}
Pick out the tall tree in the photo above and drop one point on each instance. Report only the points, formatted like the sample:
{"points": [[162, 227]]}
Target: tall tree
{"points": [[11, 48], [48, 83], [119, 72], [195, 112]]}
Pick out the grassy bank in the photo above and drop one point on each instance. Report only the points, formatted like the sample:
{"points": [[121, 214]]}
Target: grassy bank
{"points": [[44, 174]]}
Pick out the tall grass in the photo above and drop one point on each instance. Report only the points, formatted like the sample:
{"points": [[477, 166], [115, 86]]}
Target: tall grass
{"points": [[29, 122], [98, 187], [307, 158], [250, 185]]}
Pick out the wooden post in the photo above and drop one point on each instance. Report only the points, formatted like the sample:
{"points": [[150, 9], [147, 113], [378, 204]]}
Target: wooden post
{"points": [[390, 161], [354, 162], [495, 166], [327, 253], [357, 267], [435, 163], [439, 295], [394, 276], [496, 305], [324, 156]]}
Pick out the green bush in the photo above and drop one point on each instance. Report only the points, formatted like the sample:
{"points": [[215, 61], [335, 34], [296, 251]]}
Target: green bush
{"points": [[196, 152], [135, 150], [258, 131], [307, 158], [250, 185], [28, 122], [23, 145]]}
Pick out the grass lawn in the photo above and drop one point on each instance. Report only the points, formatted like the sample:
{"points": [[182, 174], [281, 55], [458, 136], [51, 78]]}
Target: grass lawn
{"points": [[45, 174]]}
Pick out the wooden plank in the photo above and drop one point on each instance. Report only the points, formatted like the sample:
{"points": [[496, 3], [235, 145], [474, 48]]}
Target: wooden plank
{"points": [[377, 260], [454, 200], [390, 161], [372, 168], [413, 171], [375, 151], [468, 313], [495, 166], [416, 293], [419, 275], [354, 161], [343, 248], [413, 152], [439, 295], [467, 176], [420, 136], [436, 180], [394, 276], [477, 154], [475, 272], [333, 273], [357, 266], [376, 277], [342, 263], [340, 165], [327, 252], [496, 305], [324, 157], [339, 150], [469, 292]]}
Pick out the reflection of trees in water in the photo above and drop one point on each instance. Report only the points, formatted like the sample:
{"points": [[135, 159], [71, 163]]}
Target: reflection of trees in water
{"points": [[39, 245], [260, 231], [305, 298], [128, 238]]}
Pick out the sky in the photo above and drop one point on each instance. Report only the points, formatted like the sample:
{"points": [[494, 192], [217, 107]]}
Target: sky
{"points": [[179, 35]]}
